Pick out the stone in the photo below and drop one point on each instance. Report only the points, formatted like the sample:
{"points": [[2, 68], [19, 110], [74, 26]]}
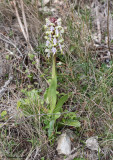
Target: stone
{"points": [[92, 144], [64, 144]]}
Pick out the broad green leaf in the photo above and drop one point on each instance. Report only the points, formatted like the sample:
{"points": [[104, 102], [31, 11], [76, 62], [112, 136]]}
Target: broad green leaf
{"points": [[52, 95], [73, 123], [60, 103], [4, 113], [46, 96], [51, 128]]}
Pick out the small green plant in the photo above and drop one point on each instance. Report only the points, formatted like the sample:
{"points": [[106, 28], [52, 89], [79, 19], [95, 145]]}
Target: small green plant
{"points": [[3, 113]]}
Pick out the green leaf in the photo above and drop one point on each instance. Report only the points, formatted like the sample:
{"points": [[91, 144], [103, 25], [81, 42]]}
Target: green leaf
{"points": [[46, 96], [73, 123], [31, 56], [34, 62], [60, 103], [70, 115], [51, 128], [72, 48], [4, 113], [29, 76], [52, 95], [57, 115], [7, 57], [18, 104]]}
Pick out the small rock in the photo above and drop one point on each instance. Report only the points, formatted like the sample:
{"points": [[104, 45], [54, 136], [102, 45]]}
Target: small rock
{"points": [[64, 144], [92, 144]]}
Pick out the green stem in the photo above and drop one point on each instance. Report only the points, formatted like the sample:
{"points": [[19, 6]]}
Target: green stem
{"points": [[54, 69]]}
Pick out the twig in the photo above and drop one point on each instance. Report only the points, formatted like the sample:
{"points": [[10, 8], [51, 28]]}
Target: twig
{"points": [[6, 121], [5, 39], [24, 30], [100, 107], [98, 23], [4, 88], [71, 157], [19, 21], [108, 23], [24, 20]]}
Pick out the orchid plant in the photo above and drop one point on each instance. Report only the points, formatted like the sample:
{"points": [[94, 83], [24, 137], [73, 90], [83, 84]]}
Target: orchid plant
{"points": [[54, 43]]}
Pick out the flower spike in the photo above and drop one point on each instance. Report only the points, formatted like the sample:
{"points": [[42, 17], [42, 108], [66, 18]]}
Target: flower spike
{"points": [[54, 40]]}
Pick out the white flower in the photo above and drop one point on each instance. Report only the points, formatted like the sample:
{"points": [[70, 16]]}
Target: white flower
{"points": [[54, 50], [62, 31], [56, 32], [45, 26], [47, 50], [48, 32], [46, 37], [59, 22], [49, 37], [61, 40], [47, 43], [51, 28], [55, 41], [48, 22], [61, 46]]}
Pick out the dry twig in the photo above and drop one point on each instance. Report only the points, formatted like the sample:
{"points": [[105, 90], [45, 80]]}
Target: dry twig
{"points": [[4, 88]]}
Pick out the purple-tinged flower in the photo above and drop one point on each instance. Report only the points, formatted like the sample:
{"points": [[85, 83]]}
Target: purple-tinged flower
{"points": [[49, 36], [55, 41], [56, 32], [51, 28], [53, 36], [54, 50], [61, 40], [47, 43], [60, 46]]}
